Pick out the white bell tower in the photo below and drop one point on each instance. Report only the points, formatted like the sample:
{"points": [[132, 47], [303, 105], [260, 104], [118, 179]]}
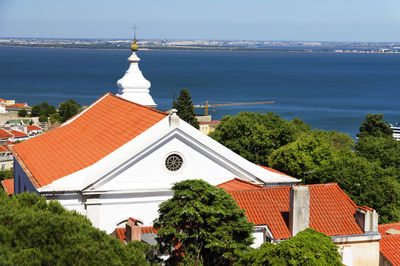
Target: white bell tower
{"points": [[133, 86]]}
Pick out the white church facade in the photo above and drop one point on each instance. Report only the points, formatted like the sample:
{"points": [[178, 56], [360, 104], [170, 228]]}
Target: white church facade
{"points": [[119, 158]]}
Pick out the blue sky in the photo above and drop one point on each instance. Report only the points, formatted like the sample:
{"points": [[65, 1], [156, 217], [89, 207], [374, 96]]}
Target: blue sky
{"points": [[312, 20]]}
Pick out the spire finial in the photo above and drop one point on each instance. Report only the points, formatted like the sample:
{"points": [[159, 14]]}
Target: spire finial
{"points": [[134, 46]]}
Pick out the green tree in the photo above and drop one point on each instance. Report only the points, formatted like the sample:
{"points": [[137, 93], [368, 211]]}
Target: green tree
{"points": [[42, 118], [6, 174], [308, 156], [184, 106], [68, 109], [255, 136], [326, 156], [308, 247], [56, 118], [202, 224], [374, 126], [35, 110], [22, 113], [384, 150], [36, 232], [42, 109]]}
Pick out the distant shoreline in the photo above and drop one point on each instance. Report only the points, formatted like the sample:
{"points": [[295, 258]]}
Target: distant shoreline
{"points": [[209, 48]]}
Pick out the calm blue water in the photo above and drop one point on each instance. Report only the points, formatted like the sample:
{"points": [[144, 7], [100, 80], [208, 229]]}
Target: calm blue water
{"points": [[329, 91]]}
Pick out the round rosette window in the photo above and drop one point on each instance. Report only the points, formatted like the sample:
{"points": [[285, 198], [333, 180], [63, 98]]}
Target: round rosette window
{"points": [[173, 162]]}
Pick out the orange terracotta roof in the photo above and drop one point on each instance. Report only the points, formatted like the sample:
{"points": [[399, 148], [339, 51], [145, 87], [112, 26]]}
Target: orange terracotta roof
{"points": [[99, 130], [389, 245], [382, 228], [19, 104], [18, 134], [8, 185], [238, 184], [331, 210], [4, 148], [145, 230], [33, 127], [4, 134]]}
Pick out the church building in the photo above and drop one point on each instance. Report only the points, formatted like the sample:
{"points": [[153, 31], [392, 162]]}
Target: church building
{"points": [[120, 157]]}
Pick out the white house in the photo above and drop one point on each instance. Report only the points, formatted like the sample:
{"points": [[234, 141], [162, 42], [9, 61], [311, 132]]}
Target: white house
{"points": [[119, 159]]}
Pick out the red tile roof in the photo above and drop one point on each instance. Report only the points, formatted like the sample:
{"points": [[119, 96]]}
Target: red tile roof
{"points": [[18, 134], [331, 210], [33, 127], [20, 104], [238, 184], [102, 128], [4, 148], [145, 230], [4, 134], [382, 228], [8, 185], [390, 244]]}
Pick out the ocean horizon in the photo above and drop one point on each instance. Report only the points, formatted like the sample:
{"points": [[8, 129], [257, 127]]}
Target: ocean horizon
{"points": [[330, 91]]}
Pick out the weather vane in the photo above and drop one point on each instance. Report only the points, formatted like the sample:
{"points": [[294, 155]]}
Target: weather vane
{"points": [[134, 30]]}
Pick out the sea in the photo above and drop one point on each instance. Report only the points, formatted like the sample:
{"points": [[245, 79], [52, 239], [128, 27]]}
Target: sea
{"points": [[330, 91]]}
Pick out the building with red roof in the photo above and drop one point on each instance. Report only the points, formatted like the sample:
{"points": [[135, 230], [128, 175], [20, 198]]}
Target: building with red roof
{"points": [[279, 213], [390, 244], [120, 157], [18, 135], [33, 130], [5, 135], [8, 186]]}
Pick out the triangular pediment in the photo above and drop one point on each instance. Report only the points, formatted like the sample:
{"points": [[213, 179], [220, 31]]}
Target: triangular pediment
{"points": [[139, 165]]}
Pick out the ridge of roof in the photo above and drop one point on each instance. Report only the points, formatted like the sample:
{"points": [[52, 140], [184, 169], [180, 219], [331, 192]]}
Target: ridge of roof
{"points": [[84, 139], [101, 98], [245, 184]]}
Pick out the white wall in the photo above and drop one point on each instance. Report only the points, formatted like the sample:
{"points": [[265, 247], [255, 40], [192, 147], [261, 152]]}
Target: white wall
{"points": [[150, 172]]}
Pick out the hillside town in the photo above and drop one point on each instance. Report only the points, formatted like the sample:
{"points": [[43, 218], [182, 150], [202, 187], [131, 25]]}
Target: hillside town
{"points": [[118, 160]]}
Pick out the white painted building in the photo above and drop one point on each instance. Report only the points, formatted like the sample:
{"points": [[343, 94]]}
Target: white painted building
{"points": [[119, 159]]}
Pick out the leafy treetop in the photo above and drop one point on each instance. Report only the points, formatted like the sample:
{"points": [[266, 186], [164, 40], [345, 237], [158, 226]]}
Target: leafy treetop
{"points": [[374, 126], [308, 247], [36, 232], [184, 106], [202, 224], [68, 109], [255, 136]]}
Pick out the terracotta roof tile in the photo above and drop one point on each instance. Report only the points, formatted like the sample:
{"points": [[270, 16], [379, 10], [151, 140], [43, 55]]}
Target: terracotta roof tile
{"points": [[8, 185], [382, 228], [33, 127], [88, 137], [18, 134], [238, 184], [4, 134], [390, 244], [4, 148], [331, 210]]}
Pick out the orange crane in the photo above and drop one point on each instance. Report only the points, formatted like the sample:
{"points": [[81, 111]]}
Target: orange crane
{"points": [[206, 106]]}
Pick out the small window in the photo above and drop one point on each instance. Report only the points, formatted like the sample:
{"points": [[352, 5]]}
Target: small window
{"points": [[3, 166], [173, 162]]}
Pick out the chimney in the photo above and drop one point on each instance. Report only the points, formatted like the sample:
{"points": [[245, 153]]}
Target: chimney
{"points": [[367, 219], [299, 212], [133, 230]]}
